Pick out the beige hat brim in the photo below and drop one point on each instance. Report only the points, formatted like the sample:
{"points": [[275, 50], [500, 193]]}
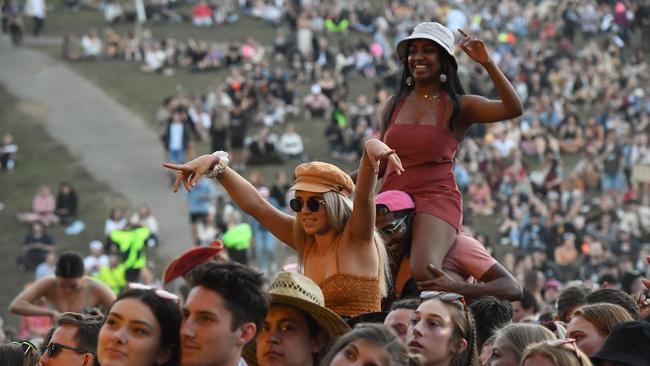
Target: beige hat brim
{"points": [[333, 325], [311, 187]]}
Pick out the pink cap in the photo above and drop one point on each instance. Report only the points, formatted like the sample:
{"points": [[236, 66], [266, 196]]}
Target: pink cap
{"points": [[553, 283], [395, 200]]}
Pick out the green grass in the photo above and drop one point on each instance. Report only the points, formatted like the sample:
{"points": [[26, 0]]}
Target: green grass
{"points": [[41, 160], [144, 93]]}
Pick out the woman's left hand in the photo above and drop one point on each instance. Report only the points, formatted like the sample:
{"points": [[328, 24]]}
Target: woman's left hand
{"points": [[377, 151], [475, 48]]}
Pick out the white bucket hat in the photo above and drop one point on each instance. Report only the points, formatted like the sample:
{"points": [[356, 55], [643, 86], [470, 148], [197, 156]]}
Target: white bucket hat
{"points": [[432, 31]]}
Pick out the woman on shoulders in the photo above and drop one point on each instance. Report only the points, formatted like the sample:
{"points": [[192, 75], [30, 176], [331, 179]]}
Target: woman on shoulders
{"points": [[339, 247], [425, 121]]}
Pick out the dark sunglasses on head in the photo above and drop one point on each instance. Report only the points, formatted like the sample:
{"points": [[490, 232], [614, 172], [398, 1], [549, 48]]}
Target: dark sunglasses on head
{"points": [[26, 346], [313, 204], [53, 349]]}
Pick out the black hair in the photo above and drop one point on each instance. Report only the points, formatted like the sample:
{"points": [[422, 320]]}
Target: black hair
{"points": [[628, 279], [69, 265], [609, 278], [452, 87], [168, 314], [569, 299], [528, 301], [618, 297], [490, 314], [241, 287], [18, 354], [87, 331]]}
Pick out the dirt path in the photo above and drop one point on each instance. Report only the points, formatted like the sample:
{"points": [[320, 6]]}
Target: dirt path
{"points": [[113, 144]]}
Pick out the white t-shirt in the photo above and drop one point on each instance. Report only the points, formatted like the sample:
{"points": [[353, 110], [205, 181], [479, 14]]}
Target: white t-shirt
{"points": [[176, 136]]}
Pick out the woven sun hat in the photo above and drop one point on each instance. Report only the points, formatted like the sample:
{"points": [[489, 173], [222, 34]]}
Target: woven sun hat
{"points": [[433, 31], [301, 292], [189, 260], [319, 177]]}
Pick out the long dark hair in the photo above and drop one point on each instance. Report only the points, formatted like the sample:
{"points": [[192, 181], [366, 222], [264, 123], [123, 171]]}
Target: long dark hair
{"points": [[168, 314], [452, 87]]}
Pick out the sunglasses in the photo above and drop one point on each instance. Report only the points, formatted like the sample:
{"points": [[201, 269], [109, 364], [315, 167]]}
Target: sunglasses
{"points": [[562, 342], [53, 349], [394, 227], [26, 346], [161, 293], [447, 297], [313, 204]]}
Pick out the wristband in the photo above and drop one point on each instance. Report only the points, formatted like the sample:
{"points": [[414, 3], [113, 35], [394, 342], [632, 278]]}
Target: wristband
{"points": [[219, 165]]}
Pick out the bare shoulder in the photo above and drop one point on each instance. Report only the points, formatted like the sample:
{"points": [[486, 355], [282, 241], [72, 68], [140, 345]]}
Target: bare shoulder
{"points": [[45, 283], [93, 283], [471, 101], [43, 287]]}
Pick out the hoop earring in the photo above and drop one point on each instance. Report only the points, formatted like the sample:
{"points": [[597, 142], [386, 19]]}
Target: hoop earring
{"points": [[442, 78], [409, 81]]}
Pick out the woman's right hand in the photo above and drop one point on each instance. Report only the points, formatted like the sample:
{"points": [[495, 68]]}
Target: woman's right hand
{"points": [[376, 151], [190, 172]]}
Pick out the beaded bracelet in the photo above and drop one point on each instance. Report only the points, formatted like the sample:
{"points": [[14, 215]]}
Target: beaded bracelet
{"points": [[219, 165]]}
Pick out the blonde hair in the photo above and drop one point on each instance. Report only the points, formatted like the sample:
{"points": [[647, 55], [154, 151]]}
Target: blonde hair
{"points": [[604, 316], [561, 355], [339, 209], [520, 335]]}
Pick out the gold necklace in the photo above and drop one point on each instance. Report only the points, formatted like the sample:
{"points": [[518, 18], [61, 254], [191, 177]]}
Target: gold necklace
{"points": [[432, 97]]}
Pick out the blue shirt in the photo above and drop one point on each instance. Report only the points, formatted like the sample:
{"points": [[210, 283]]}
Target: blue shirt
{"points": [[202, 197]]}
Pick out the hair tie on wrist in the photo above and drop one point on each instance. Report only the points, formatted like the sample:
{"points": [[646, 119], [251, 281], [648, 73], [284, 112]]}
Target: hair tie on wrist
{"points": [[219, 166]]}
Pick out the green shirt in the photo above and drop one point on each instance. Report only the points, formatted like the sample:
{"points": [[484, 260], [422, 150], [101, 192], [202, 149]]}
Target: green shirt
{"points": [[238, 237]]}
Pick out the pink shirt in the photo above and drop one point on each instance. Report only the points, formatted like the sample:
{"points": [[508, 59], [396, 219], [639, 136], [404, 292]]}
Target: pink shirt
{"points": [[468, 258], [43, 204]]}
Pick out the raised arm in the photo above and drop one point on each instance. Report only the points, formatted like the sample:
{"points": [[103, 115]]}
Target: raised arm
{"points": [[362, 221], [23, 304], [245, 195], [476, 108]]}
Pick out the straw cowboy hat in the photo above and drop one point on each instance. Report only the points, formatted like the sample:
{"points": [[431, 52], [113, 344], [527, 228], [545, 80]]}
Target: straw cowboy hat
{"points": [[299, 291]]}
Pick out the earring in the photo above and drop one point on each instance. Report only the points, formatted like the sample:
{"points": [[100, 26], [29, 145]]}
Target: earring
{"points": [[409, 81], [442, 78]]}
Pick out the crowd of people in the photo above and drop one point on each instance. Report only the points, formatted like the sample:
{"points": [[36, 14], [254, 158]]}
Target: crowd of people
{"points": [[564, 183], [229, 315]]}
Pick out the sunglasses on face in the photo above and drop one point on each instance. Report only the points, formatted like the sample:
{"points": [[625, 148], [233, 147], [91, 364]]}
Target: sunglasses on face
{"points": [[562, 342], [53, 349], [161, 293], [313, 204], [394, 227]]}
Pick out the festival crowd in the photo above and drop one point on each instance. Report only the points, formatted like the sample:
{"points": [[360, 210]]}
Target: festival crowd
{"points": [[555, 155]]}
